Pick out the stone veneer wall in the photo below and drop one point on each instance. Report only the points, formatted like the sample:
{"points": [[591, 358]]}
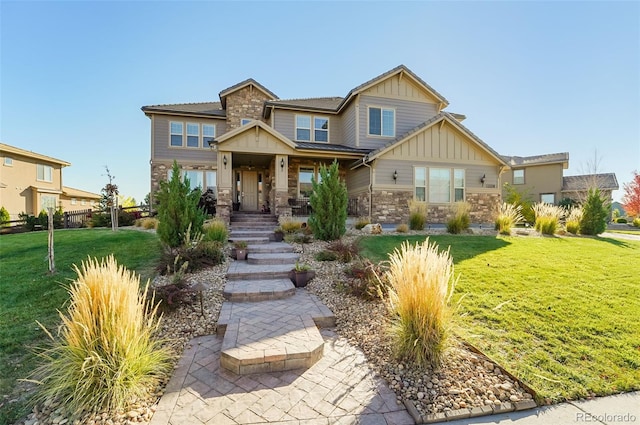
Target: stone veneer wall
{"points": [[158, 172], [390, 206], [244, 103], [484, 206]]}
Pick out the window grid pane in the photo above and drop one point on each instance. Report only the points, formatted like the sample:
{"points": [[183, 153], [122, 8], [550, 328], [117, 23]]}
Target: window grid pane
{"points": [[303, 128], [388, 125], [458, 185], [375, 121], [176, 134], [208, 134], [420, 183], [518, 176]]}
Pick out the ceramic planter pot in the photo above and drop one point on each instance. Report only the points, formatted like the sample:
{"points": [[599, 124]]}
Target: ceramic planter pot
{"points": [[301, 278]]}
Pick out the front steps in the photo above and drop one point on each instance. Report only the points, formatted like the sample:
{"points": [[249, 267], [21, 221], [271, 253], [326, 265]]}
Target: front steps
{"points": [[268, 324]]}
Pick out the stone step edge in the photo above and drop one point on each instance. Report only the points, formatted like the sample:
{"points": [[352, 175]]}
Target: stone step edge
{"points": [[233, 294]]}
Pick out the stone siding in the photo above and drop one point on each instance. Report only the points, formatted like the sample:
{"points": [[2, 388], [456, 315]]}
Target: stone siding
{"points": [[390, 206], [247, 102], [484, 206]]}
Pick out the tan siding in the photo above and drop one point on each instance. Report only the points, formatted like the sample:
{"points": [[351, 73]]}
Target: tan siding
{"points": [[538, 180], [263, 143], [403, 88], [385, 168], [286, 124], [161, 149], [358, 179], [348, 126]]}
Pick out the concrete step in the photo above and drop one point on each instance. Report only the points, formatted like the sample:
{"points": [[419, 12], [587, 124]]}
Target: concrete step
{"points": [[273, 258], [241, 270], [253, 226], [258, 290], [250, 240], [241, 234], [273, 247], [273, 344]]}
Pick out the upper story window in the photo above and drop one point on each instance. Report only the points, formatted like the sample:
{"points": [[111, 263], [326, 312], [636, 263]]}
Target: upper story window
{"points": [[193, 135], [319, 132], [8, 161], [44, 173], [245, 121], [208, 133], [176, 133], [518, 176], [382, 122]]}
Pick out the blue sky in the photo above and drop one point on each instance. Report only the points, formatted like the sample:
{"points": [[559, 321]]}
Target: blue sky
{"points": [[531, 77]]}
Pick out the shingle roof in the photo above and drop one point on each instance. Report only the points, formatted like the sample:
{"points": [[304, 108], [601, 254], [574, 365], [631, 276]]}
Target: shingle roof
{"points": [[322, 103], [70, 191], [201, 108], [331, 147], [604, 181], [515, 161]]}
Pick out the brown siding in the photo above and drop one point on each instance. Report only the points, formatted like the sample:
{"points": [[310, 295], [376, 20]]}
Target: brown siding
{"points": [[285, 123], [538, 180], [161, 149]]}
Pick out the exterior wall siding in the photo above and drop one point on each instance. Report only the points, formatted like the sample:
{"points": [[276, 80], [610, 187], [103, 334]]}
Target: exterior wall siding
{"points": [[408, 114], [538, 180], [400, 88], [349, 125], [161, 149], [246, 102], [285, 123]]}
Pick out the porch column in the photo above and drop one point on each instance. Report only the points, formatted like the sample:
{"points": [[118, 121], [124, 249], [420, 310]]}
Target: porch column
{"points": [[225, 186], [282, 185]]}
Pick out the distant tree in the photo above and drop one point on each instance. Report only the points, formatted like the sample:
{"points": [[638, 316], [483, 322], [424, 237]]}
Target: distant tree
{"points": [[631, 199], [4, 216], [178, 209], [126, 201], [594, 214], [520, 198], [329, 200]]}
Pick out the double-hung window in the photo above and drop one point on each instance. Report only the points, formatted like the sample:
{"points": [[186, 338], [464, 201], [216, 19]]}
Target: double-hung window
{"points": [[44, 173], [176, 133], [208, 133], [193, 135], [518, 176], [382, 122], [306, 133], [458, 184], [420, 183]]}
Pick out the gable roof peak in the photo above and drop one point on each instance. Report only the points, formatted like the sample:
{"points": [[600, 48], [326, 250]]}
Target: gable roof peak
{"points": [[242, 84]]}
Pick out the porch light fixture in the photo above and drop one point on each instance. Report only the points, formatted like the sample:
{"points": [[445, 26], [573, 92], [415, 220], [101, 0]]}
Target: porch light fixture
{"points": [[483, 178], [224, 161], [395, 176], [211, 142], [282, 163]]}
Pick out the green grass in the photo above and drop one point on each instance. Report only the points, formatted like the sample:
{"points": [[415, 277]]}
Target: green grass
{"points": [[29, 293], [560, 313]]}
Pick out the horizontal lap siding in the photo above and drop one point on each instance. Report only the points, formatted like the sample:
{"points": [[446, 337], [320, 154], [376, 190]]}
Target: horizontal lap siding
{"points": [[473, 172], [358, 179], [409, 114], [162, 150], [285, 123], [348, 122]]}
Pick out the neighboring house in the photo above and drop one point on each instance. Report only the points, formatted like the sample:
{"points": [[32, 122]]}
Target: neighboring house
{"points": [[539, 177], [391, 136], [31, 182], [577, 187]]}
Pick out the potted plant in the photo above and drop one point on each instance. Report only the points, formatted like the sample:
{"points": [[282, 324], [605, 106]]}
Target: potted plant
{"points": [[240, 250], [301, 275], [278, 234]]}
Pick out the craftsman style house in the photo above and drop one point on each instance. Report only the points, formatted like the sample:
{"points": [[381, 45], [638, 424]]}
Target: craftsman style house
{"points": [[392, 137], [31, 182]]}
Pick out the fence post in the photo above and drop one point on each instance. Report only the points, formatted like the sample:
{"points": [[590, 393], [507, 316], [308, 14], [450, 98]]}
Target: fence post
{"points": [[52, 263]]}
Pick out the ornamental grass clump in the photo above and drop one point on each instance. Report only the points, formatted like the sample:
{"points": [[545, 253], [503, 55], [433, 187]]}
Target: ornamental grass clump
{"points": [[104, 355], [547, 217], [572, 222], [421, 285], [215, 230], [508, 216], [461, 218], [417, 214]]}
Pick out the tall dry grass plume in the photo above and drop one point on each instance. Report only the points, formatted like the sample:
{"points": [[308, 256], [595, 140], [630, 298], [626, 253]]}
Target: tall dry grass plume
{"points": [[572, 222], [421, 285], [417, 214], [547, 217], [508, 216], [104, 355], [461, 219]]}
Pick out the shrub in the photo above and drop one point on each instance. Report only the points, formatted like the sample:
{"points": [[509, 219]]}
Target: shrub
{"points": [[523, 199], [547, 217], [326, 255], [215, 230], [421, 286], [195, 251], [573, 220], [178, 209], [289, 225], [366, 280], [104, 355], [636, 222], [147, 223], [402, 228], [361, 222], [461, 219], [4, 217], [345, 251], [594, 214], [621, 220], [328, 200], [508, 216], [417, 214]]}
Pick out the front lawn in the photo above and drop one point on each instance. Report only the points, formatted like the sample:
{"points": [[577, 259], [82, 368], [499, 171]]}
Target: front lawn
{"points": [[28, 293], [560, 313]]}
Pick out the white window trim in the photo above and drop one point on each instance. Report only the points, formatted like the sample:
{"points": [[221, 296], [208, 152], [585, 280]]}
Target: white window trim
{"points": [[312, 128], [464, 184], [8, 161], [523, 176], [171, 133], [548, 194], [186, 140], [43, 179], [382, 108], [426, 183]]}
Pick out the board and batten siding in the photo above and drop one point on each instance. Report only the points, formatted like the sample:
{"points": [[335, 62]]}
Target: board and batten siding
{"points": [[400, 87], [285, 123], [162, 150], [408, 115]]}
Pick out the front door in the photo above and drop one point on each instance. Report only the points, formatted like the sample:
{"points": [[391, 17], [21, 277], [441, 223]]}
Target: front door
{"points": [[250, 190]]}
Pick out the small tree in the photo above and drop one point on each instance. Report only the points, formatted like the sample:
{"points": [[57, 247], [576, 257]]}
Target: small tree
{"points": [[328, 204], [109, 199], [631, 199], [520, 198], [178, 209], [4, 217], [594, 214]]}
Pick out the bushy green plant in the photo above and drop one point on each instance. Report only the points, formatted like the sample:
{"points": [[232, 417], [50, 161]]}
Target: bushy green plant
{"points": [[215, 230], [421, 285], [288, 224], [572, 222], [461, 218], [594, 214], [4, 217], [621, 220], [636, 222], [520, 197], [508, 216], [104, 355], [402, 228], [417, 214], [547, 217], [326, 255], [329, 204], [178, 209], [361, 222]]}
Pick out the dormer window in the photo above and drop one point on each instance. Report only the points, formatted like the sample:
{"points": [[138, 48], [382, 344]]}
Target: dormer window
{"points": [[306, 133]]}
